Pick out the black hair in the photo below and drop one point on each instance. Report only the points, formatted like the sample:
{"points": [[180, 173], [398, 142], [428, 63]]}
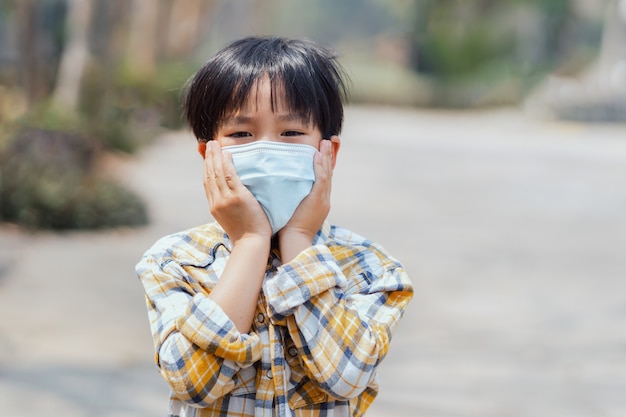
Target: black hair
{"points": [[304, 74]]}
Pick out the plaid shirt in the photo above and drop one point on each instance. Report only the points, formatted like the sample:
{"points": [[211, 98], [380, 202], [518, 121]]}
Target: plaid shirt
{"points": [[323, 324]]}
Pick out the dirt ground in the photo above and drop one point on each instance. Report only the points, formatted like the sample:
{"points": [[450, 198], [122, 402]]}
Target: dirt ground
{"points": [[513, 231]]}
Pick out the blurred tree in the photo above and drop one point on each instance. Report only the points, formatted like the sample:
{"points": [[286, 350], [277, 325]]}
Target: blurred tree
{"points": [[141, 53], [420, 38], [75, 55], [136, 50], [185, 26], [27, 45], [556, 17], [611, 64], [91, 71], [38, 37]]}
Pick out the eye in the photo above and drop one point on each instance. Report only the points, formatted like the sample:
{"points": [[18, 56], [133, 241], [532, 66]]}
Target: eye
{"points": [[292, 133], [240, 135]]}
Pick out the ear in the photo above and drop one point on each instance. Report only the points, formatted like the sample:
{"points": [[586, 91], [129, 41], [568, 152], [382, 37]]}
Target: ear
{"points": [[202, 149], [336, 144]]}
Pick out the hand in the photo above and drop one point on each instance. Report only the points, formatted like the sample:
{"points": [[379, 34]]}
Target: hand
{"points": [[232, 205], [308, 218]]}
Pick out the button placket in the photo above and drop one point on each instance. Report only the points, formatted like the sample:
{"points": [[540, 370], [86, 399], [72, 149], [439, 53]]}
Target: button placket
{"points": [[265, 388]]}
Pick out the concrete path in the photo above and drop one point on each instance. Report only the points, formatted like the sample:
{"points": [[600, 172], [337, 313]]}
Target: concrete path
{"points": [[513, 231]]}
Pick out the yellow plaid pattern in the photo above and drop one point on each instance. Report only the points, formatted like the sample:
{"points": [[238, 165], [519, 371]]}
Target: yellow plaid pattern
{"points": [[323, 325]]}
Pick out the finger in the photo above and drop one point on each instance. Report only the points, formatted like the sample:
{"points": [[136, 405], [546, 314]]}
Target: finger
{"points": [[210, 188], [218, 167], [230, 173], [323, 172], [212, 171], [209, 166], [208, 162], [323, 162], [328, 157]]}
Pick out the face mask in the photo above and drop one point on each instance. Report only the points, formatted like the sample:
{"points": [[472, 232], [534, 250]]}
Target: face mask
{"points": [[279, 175]]}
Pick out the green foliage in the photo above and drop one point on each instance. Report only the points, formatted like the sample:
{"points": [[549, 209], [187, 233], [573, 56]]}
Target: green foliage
{"points": [[462, 55], [47, 156], [47, 153], [486, 51], [46, 182], [126, 112], [459, 39], [161, 92], [385, 83], [45, 117]]}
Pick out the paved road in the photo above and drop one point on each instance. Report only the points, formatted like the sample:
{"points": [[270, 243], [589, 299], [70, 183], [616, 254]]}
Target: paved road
{"points": [[513, 231]]}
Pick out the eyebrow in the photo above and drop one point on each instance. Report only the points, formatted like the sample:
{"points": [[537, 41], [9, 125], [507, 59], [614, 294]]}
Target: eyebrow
{"points": [[237, 120], [284, 117]]}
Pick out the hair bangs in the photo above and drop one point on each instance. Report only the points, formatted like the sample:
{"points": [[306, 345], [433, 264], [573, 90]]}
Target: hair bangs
{"points": [[282, 98]]}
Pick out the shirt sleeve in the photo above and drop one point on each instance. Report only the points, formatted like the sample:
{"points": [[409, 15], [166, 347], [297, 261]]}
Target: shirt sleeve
{"points": [[341, 306], [199, 350]]}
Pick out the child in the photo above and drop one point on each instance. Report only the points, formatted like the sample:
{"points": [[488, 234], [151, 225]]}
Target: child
{"points": [[270, 311]]}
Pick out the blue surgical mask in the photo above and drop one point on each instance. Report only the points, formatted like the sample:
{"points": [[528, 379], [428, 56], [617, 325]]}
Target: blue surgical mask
{"points": [[279, 175]]}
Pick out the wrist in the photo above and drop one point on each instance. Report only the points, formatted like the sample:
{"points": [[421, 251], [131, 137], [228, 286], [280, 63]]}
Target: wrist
{"points": [[292, 242], [253, 240]]}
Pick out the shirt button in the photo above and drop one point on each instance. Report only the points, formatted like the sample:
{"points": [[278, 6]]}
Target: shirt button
{"points": [[293, 351], [269, 374], [260, 318]]}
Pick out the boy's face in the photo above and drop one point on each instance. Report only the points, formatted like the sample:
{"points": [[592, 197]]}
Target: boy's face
{"points": [[256, 122]]}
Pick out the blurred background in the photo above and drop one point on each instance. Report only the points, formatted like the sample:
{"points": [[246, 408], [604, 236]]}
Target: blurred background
{"points": [[94, 76], [484, 146]]}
